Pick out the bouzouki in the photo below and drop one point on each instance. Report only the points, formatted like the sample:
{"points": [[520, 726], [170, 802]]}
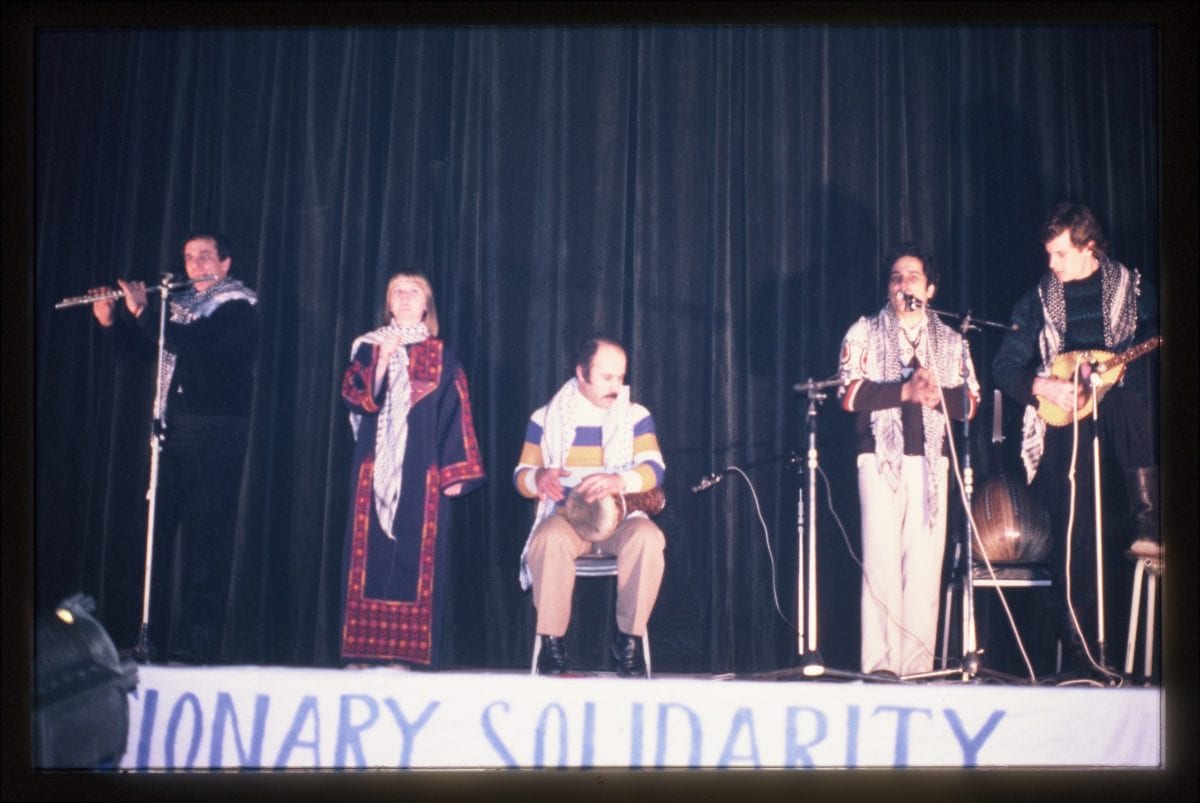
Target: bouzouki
{"points": [[1109, 367]]}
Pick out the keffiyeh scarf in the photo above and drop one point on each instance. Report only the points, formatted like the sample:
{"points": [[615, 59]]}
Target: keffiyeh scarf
{"points": [[391, 430], [191, 305], [889, 354], [1119, 289]]}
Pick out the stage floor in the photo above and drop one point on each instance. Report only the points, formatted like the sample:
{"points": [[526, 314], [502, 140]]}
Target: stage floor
{"points": [[382, 717]]}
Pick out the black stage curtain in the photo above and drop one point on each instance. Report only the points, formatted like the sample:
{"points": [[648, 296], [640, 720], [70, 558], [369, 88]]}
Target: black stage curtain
{"points": [[718, 197]]}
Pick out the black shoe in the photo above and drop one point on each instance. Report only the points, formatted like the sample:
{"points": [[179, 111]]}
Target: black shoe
{"points": [[627, 650], [552, 660]]}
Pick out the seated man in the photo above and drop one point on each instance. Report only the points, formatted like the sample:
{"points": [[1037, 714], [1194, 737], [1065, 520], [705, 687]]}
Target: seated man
{"points": [[591, 440]]}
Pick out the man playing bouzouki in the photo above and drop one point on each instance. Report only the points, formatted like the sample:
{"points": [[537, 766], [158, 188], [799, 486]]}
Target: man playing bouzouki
{"points": [[1092, 373], [591, 440], [1086, 302]]}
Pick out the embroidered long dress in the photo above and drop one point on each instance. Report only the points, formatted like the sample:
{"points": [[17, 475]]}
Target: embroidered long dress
{"points": [[392, 605]]}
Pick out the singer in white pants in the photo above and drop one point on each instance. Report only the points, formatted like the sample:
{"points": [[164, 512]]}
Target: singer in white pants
{"points": [[902, 566], [902, 371]]}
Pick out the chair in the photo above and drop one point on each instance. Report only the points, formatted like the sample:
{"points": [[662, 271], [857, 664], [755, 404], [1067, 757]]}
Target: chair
{"points": [[593, 564], [1141, 568], [1008, 575], [1013, 532]]}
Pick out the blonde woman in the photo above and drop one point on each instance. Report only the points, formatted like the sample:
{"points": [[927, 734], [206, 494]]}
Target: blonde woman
{"points": [[415, 448]]}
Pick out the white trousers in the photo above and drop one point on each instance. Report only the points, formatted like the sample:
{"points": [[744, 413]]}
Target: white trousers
{"points": [[902, 566]]}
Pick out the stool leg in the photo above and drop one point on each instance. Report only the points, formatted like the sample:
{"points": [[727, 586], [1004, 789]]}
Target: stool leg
{"points": [[1135, 607], [946, 624], [646, 653], [537, 648], [1151, 593]]}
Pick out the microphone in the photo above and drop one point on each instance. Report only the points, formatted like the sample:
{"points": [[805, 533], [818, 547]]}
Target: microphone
{"points": [[707, 482], [910, 302]]}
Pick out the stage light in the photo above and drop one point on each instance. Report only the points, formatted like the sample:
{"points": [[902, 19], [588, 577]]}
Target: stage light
{"points": [[811, 665], [82, 704]]}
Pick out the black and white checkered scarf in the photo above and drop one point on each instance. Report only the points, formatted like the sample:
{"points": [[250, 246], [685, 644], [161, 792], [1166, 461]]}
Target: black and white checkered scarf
{"points": [[391, 429], [188, 306], [1119, 290]]}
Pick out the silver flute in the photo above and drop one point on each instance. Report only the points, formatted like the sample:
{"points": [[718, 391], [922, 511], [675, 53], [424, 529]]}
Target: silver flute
{"points": [[78, 301]]}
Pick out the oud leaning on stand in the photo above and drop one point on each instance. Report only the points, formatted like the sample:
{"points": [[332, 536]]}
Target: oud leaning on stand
{"points": [[591, 441], [1086, 302]]}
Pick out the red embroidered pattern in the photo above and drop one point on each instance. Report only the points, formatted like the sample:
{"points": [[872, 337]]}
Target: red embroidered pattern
{"points": [[382, 629], [357, 384], [472, 467], [424, 369]]}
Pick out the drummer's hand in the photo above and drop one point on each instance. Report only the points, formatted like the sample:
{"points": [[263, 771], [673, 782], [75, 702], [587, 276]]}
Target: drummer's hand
{"points": [[454, 490], [549, 483], [103, 308], [598, 486], [135, 296]]}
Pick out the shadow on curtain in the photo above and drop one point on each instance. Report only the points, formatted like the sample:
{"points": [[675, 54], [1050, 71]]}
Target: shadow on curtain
{"points": [[718, 198]]}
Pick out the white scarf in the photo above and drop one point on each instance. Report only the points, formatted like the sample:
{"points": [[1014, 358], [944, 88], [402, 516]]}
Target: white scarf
{"points": [[391, 429], [558, 433], [191, 305], [1119, 289]]}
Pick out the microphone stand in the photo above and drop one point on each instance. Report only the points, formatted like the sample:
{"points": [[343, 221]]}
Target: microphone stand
{"points": [[811, 664], [971, 664], [1097, 494], [158, 432]]}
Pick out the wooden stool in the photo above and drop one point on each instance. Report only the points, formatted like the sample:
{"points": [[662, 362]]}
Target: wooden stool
{"points": [[1142, 568]]}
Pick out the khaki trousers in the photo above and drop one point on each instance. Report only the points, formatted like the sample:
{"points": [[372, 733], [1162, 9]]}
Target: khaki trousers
{"points": [[638, 544]]}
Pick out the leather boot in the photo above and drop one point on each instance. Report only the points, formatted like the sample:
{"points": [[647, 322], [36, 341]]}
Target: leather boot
{"points": [[1141, 486], [627, 650], [552, 660]]}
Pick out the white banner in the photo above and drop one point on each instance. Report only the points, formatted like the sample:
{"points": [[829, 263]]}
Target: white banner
{"points": [[270, 717]]}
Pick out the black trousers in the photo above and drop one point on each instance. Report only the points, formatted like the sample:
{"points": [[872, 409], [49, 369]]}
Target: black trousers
{"points": [[1125, 443], [200, 472]]}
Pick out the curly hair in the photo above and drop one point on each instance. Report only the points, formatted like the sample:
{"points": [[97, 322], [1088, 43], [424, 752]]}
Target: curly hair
{"points": [[1081, 222]]}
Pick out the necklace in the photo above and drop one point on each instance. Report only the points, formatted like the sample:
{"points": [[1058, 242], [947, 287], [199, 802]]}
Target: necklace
{"points": [[912, 341]]}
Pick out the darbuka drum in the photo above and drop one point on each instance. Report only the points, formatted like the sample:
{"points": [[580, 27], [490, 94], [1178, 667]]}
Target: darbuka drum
{"points": [[597, 521], [1011, 523], [594, 521]]}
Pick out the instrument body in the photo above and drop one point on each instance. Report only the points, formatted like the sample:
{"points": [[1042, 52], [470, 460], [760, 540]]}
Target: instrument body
{"points": [[1107, 366], [1011, 524], [597, 521]]}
